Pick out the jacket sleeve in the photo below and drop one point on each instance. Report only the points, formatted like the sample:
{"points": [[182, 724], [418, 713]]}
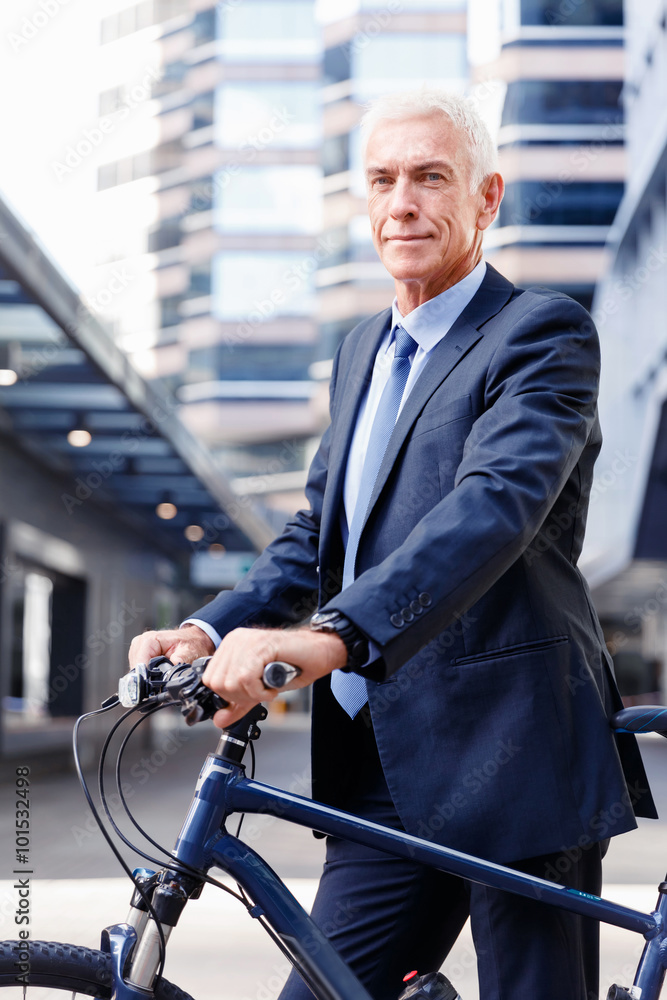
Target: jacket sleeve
{"points": [[282, 585], [539, 409]]}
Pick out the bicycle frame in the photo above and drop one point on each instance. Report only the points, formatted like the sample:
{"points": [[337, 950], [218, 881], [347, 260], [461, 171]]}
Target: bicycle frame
{"points": [[204, 843]]}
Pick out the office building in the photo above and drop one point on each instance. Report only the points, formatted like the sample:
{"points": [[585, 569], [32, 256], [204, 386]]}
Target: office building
{"points": [[560, 139], [625, 557], [372, 51]]}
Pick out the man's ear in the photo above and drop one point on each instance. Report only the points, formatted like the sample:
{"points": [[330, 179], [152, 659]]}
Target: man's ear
{"points": [[492, 191]]}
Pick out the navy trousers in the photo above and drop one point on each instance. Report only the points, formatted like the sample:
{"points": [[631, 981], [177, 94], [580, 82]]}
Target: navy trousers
{"points": [[387, 916]]}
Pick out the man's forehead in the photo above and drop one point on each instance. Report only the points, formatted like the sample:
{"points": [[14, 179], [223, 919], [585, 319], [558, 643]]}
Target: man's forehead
{"points": [[413, 142]]}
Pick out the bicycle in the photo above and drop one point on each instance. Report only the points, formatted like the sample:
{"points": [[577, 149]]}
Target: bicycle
{"points": [[129, 964]]}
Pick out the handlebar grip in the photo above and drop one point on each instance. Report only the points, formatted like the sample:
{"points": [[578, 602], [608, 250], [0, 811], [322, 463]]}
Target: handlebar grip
{"points": [[276, 674]]}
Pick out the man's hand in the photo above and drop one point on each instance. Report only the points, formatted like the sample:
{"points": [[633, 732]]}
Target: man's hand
{"points": [[235, 672], [180, 645]]}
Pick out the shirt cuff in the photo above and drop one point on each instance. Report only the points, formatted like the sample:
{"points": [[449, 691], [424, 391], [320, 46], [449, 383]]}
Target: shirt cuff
{"points": [[205, 627], [374, 654]]}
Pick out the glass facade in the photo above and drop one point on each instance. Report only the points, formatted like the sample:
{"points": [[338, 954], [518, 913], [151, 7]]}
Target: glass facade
{"points": [[393, 60], [281, 114], [265, 362], [257, 285], [268, 31], [551, 203], [270, 199], [572, 12], [562, 102]]}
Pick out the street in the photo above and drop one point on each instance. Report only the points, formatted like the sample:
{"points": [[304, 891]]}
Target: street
{"points": [[77, 886]]}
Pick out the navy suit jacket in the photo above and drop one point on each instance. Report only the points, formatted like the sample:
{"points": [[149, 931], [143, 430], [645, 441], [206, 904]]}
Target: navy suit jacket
{"points": [[491, 699]]}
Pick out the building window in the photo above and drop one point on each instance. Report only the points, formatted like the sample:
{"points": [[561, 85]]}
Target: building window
{"points": [[169, 311], [400, 57], [255, 116], [266, 362], [130, 168], [202, 110], [201, 194], [200, 281], [276, 199], [563, 102], [550, 203], [255, 286], [204, 26], [268, 30], [603, 13], [336, 154], [127, 21], [167, 234], [337, 64]]}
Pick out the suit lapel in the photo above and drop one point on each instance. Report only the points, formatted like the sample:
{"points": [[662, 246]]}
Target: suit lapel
{"points": [[493, 294]]}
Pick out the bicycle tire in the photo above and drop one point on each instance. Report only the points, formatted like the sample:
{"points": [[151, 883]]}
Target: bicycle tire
{"points": [[68, 967]]}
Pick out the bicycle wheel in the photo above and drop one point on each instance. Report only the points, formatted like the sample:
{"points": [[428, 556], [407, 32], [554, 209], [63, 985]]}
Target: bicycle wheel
{"points": [[67, 967]]}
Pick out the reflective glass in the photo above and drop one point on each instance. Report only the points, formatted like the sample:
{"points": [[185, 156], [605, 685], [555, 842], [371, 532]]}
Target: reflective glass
{"points": [[267, 30], [562, 102], [280, 114], [604, 13], [255, 286], [284, 199], [413, 56], [550, 203]]}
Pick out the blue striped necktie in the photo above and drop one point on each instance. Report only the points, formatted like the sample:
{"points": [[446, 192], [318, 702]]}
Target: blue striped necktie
{"points": [[349, 689]]}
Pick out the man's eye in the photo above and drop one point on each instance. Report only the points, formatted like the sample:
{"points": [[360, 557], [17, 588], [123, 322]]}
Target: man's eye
{"points": [[434, 177]]}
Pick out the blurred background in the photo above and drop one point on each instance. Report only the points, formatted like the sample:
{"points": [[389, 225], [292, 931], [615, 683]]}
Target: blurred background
{"points": [[184, 243]]}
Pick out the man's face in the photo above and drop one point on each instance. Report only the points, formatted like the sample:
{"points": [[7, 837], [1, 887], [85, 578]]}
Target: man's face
{"points": [[423, 217]]}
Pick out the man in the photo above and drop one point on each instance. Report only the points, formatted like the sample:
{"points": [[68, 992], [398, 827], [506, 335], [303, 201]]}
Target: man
{"points": [[448, 502]]}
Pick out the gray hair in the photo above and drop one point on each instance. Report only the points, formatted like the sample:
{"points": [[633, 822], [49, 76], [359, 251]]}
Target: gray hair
{"points": [[432, 101]]}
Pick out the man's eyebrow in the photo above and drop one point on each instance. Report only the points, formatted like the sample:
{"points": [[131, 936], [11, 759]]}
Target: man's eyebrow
{"points": [[418, 168], [442, 165]]}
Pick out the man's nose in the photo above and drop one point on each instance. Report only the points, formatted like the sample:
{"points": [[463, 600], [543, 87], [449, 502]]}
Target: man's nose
{"points": [[404, 200]]}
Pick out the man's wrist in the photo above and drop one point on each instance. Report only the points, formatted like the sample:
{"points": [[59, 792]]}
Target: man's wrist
{"points": [[356, 643]]}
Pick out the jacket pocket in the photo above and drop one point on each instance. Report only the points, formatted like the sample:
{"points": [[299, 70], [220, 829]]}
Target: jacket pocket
{"points": [[435, 417], [532, 646]]}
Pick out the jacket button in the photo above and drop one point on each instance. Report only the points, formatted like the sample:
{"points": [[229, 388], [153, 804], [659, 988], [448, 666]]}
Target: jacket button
{"points": [[407, 615], [425, 599], [416, 607], [397, 620]]}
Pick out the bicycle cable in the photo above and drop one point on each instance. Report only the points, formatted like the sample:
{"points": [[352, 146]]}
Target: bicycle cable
{"points": [[107, 706], [182, 866]]}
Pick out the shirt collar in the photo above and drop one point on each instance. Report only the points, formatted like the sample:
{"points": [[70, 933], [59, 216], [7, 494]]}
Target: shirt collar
{"points": [[429, 322]]}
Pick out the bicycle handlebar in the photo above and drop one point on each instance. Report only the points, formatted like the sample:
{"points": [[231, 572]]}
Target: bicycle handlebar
{"points": [[161, 680]]}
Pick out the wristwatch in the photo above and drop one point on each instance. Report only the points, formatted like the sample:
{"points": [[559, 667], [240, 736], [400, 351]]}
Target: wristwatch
{"points": [[355, 642]]}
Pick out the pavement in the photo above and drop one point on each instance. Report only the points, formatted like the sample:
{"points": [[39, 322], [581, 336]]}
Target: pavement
{"points": [[218, 949]]}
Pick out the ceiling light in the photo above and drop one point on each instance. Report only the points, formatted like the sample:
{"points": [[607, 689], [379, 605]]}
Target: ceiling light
{"points": [[194, 532], [166, 511], [7, 376], [79, 438]]}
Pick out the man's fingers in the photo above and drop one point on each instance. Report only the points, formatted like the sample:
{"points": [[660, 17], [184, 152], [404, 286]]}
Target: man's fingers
{"points": [[180, 645], [144, 647]]}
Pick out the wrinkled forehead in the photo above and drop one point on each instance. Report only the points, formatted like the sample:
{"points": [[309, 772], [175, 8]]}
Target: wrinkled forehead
{"points": [[404, 143]]}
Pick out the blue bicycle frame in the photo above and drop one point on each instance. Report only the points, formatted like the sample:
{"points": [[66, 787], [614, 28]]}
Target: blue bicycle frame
{"points": [[204, 843]]}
